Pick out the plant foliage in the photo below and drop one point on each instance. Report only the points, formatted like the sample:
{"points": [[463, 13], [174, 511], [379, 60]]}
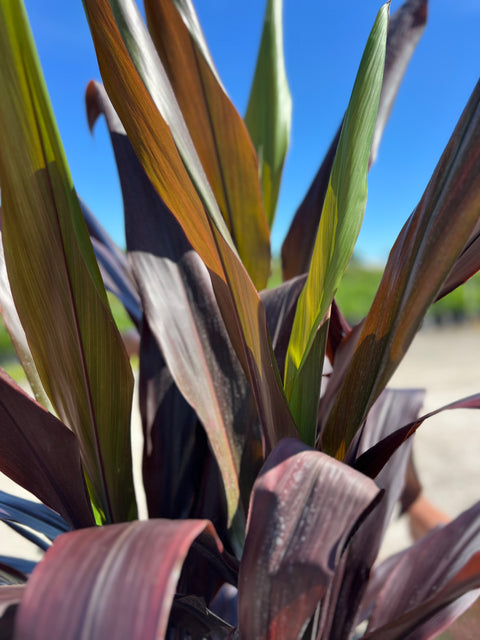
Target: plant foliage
{"points": [[269, 485]]}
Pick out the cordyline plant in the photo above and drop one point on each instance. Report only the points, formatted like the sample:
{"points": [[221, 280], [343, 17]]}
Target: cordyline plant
{"points": [[274, 453]]}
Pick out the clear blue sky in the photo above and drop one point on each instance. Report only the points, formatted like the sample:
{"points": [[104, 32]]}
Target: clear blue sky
{"points": [[324, 40]]}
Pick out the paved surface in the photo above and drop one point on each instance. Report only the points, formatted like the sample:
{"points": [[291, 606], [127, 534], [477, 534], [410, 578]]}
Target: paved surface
{"points": [[447, 447]]}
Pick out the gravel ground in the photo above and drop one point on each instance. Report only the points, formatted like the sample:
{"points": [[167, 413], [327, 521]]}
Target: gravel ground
{"points": [[445, 361]]}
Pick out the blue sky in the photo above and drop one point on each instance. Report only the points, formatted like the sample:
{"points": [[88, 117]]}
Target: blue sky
{"points": [[324, 40]]}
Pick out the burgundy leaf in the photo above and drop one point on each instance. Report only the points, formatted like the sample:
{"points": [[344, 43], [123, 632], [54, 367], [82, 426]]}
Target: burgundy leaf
{"points": [[39, 453], [406, 27], [373, 460], [338, 330], [411, 587], [114, 581], [181, 309], [466, 265], [172, 458], [351, 577], [304, 507]]}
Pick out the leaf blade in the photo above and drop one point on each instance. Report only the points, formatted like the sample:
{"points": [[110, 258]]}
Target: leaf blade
{"points": [[218, 133], [339, 226], [269, 110], [126, 568], [241, 308], [419, 263], [55, 279]]}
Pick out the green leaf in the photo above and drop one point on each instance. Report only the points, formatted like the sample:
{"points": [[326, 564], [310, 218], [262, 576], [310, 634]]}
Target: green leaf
{"points": [[55, 280], [269, 110], [340, 224], [420, 261], [218, 132], [145, 110], [404, 31]]}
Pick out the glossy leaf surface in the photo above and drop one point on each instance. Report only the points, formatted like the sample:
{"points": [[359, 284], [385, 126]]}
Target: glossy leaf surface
{"points": [[304, 506], [55, 279], [123, 588], [340, 224], [243, 313], [180, 308], [218, 133], [420, 261], [269, 110]]}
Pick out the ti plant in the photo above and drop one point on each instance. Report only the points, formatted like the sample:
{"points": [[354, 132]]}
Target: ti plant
{"points": [[274, 453]]}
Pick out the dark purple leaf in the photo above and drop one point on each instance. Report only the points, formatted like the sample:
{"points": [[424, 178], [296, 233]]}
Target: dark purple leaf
{"points": [[113, 581], [39, 453], [304, 507], [373, 460], [181, 309], [408, 589], [391, 410], [466, 265], [406, 27], [338, 330], [189, 618], [171, 470]]}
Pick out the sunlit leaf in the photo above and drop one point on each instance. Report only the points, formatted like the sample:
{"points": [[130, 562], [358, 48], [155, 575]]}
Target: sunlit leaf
{"points": [[218, 133], [151, 137], [340, 224], [55, 279], [419, 263], [181, 311], [405, 29], [269, 110]]}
